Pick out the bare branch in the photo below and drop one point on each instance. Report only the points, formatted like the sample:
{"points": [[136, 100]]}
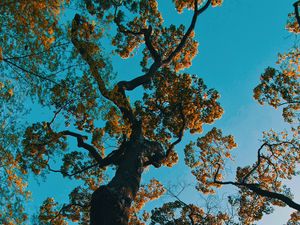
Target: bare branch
{"points": [[32, 73], [45, 78], [71, 174], [185, 205], [257, 164], [56, 113], [286, 103], [37, 53]]}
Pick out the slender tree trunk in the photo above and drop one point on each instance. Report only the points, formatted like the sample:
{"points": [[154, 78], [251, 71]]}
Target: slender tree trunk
{"points": [[110, 204]]}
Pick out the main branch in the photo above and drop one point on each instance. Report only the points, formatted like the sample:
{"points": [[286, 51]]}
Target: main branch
{"points": [[259, 191], [117, 95], [158, 62], [180, 46]]}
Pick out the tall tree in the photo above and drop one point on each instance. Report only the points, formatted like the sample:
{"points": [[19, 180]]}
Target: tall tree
{"points": [[56, 57]]}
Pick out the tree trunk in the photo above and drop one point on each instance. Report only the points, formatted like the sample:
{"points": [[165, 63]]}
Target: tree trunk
{"points": [[110, 203]]}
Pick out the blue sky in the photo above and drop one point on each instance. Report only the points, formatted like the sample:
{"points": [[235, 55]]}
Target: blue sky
{"points": [[236, 43]]}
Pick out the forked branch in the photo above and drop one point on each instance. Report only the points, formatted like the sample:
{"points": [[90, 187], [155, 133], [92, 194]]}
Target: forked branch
{"points": [[257, 163], [158, 62], [81, 144], [111, 158], [117, 95], [255, 187], [146, 32], [184, 39], [74, 173]]}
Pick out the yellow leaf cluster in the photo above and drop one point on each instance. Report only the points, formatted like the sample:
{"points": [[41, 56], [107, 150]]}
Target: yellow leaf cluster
{"points": [[181, 100], [215, 3], [1, 54], [182, 4], [148, 13], [252, 207], [49, 212], [213, 149], [295, 218], [189, 4], [292, 24], [146, 193]]}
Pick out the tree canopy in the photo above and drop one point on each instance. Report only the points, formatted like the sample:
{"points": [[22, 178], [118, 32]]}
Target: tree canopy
{"points": [[58, 55]]}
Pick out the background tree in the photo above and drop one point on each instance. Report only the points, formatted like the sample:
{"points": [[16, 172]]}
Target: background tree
{"points": [[262, 184], [61, 63], [24, 41]]}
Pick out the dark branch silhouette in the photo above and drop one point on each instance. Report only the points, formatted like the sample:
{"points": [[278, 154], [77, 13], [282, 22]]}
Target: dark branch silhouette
{"points": [[296, 9], [180, 134], [255, 187], [138, 81], [74, 173], [81, 144]]}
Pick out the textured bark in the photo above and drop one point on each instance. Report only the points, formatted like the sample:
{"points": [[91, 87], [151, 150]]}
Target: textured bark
{"points": [[110, 203]]}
